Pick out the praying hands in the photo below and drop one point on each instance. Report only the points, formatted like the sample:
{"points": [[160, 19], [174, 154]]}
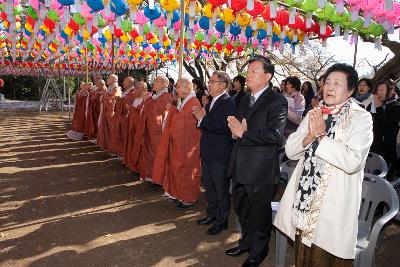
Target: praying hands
{"points": [[237, 127]]}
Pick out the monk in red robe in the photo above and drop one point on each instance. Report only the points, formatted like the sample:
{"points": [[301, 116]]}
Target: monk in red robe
{"points": [[177, 162], [153, 117], [120, 118], [78, 120], [135, 110], [104, 135], [93, 108]]}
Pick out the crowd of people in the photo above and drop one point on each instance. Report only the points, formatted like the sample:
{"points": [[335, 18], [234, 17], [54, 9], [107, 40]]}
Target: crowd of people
{"points": [[182, 136]]}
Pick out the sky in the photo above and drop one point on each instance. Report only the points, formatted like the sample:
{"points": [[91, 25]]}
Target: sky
{"points": [[344, 52]]}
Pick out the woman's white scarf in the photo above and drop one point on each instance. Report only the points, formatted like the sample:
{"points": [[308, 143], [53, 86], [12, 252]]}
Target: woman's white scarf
{"points": [[315, 177]]}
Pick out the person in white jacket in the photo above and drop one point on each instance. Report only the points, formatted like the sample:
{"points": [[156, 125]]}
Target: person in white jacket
{"points": [[319, 208]]}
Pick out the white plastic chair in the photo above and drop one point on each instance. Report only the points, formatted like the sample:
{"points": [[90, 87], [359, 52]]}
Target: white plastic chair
{"points": [[376, 165], [375, 190], [286, 171]]}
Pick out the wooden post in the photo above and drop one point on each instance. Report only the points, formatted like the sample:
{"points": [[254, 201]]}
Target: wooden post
{"points": [[355, 51], [112, 55], [181, 36]]}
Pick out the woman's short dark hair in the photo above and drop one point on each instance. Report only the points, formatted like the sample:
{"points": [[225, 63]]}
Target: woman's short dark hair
{"points": [[294, 81], [199, 83], [368, 82], [241, 80], [309, 86], [322, 77], [351, 74], [267, 64], [389, 86]]}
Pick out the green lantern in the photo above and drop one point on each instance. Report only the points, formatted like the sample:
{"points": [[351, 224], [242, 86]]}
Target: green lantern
{"points": [[53, 15], [213, 39], [309, 6], [79, 19], [358, 24], [126, 25], [327, 12], [18, 10], [100, 21], [199, 36], [376, 29], [31, 12], [146, 28]]}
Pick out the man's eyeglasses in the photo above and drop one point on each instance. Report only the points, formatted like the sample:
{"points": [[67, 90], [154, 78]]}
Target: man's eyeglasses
{"points": [[211, 82]]}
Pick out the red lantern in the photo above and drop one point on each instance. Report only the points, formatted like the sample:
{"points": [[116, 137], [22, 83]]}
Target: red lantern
{"points": [[3, 16], [73, 25], [229, 47], [266, 14], [49, 23], [327, 33], [118, 32], [282, 17], [258, 9], [217, 3], [94, 30], [134, 33], [149, 36], [238, 5], [299, 23], [30, 20]]}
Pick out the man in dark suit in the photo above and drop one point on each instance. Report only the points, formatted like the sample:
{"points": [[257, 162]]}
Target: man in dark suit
{"points": [[254, 163], [215, 148]]}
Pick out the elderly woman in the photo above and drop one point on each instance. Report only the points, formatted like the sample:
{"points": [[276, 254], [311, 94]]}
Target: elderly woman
{"points": [[319, 208], [364, 97]]}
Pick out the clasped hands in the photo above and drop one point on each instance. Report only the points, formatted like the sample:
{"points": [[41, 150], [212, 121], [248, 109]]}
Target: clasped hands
{"points": [[316, 126], [198, 112], [237, 127]]}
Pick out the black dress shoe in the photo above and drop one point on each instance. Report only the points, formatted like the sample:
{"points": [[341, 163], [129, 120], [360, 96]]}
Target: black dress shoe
{"points": [[235, 252], [184, 206], [205, 221], [252, 262], [216, 229]]}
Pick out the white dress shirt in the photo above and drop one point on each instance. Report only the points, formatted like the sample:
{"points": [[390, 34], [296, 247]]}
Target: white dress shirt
{"points": [[159, 93]]}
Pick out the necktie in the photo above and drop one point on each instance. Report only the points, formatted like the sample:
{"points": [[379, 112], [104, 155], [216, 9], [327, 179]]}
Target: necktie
{"points": [[252, 101]]}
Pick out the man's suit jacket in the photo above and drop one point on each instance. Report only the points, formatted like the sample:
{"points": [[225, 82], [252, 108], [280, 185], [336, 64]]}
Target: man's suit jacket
{"points": [[216, 139], [254, 158]]}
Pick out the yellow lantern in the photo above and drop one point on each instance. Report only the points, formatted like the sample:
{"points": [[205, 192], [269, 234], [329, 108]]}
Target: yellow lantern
{"points": [[126, 37], [18, 25], [86, 35], [28, 27], [260, 23], [197, 6], [275, 28], [139, 39], [243, 18], [169, 5], [68, 31], [45, 29], [133, 2], [107, 34], [227, 15]]}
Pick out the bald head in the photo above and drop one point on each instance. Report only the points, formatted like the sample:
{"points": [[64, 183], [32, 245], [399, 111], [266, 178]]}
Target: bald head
{"points": [[97, 78], [112, 79], [101, 85], [184, 87], [128, 82], [140, 89], [160, 83]]}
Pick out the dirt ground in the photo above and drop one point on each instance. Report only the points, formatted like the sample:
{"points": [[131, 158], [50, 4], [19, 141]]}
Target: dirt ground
{"points": [[68, 203]]}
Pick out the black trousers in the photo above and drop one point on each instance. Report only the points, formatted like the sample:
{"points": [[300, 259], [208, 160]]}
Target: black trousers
{"points": [[216, 185], [253, 206]]}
